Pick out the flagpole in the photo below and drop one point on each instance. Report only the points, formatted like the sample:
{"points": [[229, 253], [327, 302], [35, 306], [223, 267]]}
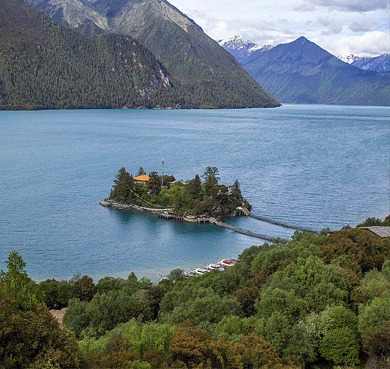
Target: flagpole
{"points": [[162, 177]]}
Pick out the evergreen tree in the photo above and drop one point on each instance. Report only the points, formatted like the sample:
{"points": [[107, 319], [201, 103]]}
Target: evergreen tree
{"points": [[236, 193], [141, 171], [195, 188], [16, 284], [211, 177], [84, 288], [124, 184], [154, 184]]}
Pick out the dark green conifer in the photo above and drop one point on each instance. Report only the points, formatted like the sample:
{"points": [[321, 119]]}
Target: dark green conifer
{"points": [[154, 183]]}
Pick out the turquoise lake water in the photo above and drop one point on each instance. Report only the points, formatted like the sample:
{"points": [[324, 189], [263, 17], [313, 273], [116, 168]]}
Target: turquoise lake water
{"points": [[315, 166]]}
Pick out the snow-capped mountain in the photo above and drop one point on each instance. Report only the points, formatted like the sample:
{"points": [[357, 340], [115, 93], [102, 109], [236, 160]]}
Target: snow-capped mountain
{"points": [[301, 72], [350, 58], [241, 48], [379, 63]]}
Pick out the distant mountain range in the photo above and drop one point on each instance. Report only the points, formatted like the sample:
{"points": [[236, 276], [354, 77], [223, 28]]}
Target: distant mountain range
{"points": [[210, 75], [241, 48], [303, 72], [380, 64]]}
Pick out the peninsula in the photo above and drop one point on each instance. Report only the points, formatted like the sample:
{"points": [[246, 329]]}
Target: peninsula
{"points": [[191, 200]]}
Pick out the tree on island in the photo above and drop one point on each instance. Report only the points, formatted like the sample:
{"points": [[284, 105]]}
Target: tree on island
{"points": [[123, 186], [186, 199], [141, 171], [211, 178], [195, 188], [236, 191], [154, 183]]}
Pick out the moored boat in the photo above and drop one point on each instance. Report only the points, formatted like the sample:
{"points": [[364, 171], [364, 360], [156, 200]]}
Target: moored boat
{"points": [[201, 271]]}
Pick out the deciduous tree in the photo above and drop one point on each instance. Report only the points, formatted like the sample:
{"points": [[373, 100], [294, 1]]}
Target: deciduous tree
{"points": [[341, 346], [33, 339], [84, 288]]}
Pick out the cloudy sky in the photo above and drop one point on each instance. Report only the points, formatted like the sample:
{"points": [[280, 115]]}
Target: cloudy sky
{"points": [[361, 27]]}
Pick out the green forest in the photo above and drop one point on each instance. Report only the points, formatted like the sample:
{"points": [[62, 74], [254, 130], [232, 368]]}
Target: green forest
{"points": [[45, 65], [192, 198], [316, 301]]}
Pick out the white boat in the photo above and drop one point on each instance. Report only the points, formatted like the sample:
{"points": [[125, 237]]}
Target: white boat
{"points": [[213, 266], [225, 263], [200, 271]]}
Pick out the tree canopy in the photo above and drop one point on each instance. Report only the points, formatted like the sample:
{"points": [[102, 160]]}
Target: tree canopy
{"points": [[302, 302]]}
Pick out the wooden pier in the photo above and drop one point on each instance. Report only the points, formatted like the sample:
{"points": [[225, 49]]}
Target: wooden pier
{"points": [[167, 216], [170, 216]]}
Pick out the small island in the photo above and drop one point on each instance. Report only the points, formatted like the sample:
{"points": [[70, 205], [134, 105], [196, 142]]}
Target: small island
{"points": [[200, 198]]}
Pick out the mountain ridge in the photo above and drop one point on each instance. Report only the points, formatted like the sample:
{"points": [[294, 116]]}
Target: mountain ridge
{"points": [[241, 48], [188, 54], [380, 64], [303, 72]]}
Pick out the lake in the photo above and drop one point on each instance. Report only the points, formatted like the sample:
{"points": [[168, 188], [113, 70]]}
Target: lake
{"points": [[315, 166]]}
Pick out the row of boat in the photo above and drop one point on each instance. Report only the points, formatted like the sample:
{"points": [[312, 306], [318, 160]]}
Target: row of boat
{"points": [[219, 266]]}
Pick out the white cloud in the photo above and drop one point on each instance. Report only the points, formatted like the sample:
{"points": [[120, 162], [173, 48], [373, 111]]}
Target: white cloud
{"points": [[340, 26], [345, 5], [369, 44], [333, 25], [362, 25]]}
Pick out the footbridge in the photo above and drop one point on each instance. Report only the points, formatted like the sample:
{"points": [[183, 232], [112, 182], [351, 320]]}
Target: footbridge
{"points": [[242, 231], [271, 221]]}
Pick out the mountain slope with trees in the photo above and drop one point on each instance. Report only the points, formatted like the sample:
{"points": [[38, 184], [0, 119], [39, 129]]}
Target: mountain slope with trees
{"points": [[44, 65], [302, 72], [212, 77]]}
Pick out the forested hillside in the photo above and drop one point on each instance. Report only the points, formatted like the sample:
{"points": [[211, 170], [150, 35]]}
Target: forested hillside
{"points": [[317, 301], [44, 65], [211, 76]]}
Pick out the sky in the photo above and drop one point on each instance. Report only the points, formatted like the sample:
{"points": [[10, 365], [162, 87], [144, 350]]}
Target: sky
{"points": [[360, 27]]}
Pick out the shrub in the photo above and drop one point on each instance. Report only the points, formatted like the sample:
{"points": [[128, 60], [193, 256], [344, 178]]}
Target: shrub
{"points": [[372, 315], [256, 353], [33, 339], [84, 288], [341, 346], [377, 341]]}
